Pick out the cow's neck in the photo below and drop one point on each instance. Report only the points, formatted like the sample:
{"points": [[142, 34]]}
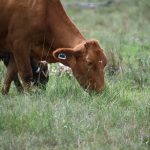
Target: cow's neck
{"points": [[63, 32]]}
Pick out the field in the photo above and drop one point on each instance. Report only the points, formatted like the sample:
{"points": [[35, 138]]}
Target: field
{"points": [[65, 117]]}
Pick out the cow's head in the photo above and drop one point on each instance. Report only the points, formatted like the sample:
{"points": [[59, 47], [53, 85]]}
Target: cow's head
{"points": [[87, 62]]}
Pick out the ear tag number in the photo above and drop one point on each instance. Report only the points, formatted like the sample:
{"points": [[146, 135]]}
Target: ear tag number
{"points": [[62, 56]]}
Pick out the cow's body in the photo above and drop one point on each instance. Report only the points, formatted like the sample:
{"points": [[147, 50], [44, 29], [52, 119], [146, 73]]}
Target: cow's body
{"points": [[41, 29], [42, 23]]}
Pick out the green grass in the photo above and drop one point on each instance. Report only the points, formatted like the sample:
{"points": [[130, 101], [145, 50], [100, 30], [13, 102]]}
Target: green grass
{"points": [[65, 116]]}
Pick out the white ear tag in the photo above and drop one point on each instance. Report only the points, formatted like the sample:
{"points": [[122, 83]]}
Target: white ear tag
{"points": [[38, 70], [62, 56]]}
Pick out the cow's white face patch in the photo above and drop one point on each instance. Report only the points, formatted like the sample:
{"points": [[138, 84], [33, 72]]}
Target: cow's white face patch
{"points": [[62, 56]]}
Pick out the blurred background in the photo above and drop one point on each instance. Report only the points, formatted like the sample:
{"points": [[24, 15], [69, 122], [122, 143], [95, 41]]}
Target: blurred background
{"points": [[112, 21]]}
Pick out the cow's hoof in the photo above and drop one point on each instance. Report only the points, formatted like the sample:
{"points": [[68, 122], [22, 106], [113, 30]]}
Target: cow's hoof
{"points": [[4, 91]]}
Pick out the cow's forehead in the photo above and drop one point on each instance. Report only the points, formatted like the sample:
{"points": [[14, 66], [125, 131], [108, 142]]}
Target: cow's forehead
{"points": [[92, 55], [87, 45]]}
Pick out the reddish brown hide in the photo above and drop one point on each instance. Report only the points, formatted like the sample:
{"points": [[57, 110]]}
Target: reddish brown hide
{"points": [[42, 29]]}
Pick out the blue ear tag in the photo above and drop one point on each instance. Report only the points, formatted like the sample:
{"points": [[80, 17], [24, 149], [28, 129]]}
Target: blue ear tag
{"points": [[62, 56]]}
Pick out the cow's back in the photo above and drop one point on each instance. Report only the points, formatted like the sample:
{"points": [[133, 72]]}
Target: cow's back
{"points": [[7, 8], [20, 13]]}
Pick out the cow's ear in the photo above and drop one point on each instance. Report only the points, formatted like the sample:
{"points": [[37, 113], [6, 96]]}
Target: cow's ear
{"points": [[91, 43], [64, 55]]}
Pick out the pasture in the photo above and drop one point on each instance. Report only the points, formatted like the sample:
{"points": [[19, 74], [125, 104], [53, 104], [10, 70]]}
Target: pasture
{"points": [[65, 117]]}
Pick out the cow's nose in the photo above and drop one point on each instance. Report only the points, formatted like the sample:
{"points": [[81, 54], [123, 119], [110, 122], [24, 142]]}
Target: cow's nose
{"points": [[97, 87]]}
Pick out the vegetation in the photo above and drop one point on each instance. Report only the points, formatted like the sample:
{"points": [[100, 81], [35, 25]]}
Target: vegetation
{"points": [[66, 117]]}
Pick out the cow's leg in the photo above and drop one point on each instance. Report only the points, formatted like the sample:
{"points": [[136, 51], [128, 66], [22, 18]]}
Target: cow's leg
{"points": [[22, 59], [18, 84], [10, 74], [6, 58]]}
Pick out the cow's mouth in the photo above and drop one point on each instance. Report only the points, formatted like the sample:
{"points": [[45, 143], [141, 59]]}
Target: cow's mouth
{"points": [[93, 87]]}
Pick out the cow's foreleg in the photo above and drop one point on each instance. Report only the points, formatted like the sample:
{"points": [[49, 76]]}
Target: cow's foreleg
{"points": [[10, 74], [18, 84], [22, 59]]}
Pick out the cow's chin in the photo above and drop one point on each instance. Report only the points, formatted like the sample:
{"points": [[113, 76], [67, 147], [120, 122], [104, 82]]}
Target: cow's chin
{"points": [[90, 85], [93, 88]]}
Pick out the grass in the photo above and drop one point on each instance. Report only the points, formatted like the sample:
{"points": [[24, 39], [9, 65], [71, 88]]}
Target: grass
{"points": [[66, 117]]}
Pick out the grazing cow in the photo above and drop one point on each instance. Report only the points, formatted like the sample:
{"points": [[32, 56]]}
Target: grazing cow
{"points": [[39, 69], [41, 29]]}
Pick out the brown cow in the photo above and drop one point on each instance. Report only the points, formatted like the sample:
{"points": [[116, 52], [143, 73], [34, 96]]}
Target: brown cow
{"points": [[42, 29]]}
